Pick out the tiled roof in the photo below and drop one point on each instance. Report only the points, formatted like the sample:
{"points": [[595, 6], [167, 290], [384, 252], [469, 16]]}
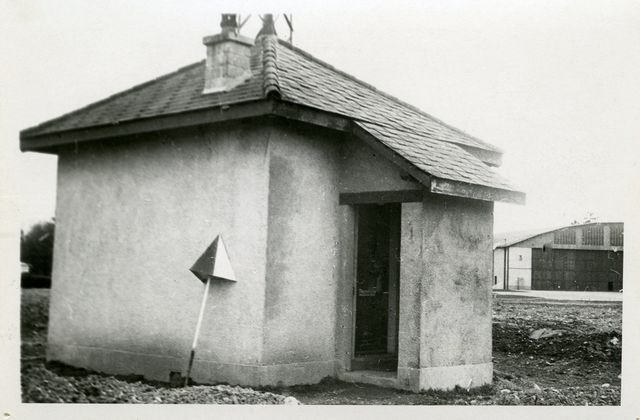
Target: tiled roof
{"points": [[176, 92], [309, 81], [294, 76], [438, 158]]}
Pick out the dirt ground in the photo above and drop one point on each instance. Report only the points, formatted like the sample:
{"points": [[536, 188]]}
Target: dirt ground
{"points": [[579, 364]]}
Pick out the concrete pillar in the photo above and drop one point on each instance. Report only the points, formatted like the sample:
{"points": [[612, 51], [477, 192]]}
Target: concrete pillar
{"points": [[345, 289], [411, 274], [445, 294]]}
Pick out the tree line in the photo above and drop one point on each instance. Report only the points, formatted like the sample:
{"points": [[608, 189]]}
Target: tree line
{"points": [[36, 247]]}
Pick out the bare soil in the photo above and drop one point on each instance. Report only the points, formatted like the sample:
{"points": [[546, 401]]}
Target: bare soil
{"points": [[579, 366]]}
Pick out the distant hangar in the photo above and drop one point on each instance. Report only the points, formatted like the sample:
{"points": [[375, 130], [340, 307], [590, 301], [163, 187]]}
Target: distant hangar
{"points": [[585, 257]]}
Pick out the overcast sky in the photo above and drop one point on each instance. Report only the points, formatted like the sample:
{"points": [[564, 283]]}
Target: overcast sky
{"points": [[552, 83]]}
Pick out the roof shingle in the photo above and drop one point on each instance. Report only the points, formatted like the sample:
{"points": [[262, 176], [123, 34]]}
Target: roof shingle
{"points": [[437, 158]]}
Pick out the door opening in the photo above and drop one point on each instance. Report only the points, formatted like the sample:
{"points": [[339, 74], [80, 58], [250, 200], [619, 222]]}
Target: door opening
{"points": [[377, 287]]}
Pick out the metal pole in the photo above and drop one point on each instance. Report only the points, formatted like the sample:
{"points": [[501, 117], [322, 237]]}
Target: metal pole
{"points": [[198, 325]]}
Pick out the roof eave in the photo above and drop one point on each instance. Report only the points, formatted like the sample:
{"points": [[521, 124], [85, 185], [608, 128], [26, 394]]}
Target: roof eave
{"points": [[476, 191], [48, 142]]}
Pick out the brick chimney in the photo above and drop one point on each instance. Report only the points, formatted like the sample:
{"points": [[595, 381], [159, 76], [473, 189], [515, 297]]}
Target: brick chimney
{"points": [[228, 57]]}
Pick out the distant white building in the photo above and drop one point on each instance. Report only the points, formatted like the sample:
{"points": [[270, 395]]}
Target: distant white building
{"points": [[585, 257]]}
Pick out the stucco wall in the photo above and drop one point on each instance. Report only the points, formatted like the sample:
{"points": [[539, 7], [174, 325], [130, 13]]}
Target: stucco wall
{"points": [[445, 293], [308, 306], [345, 320], [411, 279], [362, 170], [302, 254], [131, 218]]}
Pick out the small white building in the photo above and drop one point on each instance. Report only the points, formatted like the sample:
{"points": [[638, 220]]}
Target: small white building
{"points": [[518, 263]]}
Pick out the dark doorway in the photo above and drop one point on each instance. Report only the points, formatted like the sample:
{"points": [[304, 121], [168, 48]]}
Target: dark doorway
{"points": [[377, 287]]}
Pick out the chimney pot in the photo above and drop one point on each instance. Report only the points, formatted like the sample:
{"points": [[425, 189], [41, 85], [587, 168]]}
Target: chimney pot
{"points": [[229, 23], [268, 26]]}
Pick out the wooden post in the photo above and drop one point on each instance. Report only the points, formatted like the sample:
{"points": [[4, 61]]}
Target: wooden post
{"points": [[198, 325]]}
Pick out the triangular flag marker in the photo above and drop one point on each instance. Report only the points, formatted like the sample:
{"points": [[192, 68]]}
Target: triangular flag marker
{"points": [[222, 267], [214, 263]]}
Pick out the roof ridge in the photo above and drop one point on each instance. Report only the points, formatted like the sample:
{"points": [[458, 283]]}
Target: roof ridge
{"points": [[111, 97], [385, 94], [271, 81]]}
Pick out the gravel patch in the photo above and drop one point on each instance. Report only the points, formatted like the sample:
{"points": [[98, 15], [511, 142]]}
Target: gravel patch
{"points": [[42, 385]]}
